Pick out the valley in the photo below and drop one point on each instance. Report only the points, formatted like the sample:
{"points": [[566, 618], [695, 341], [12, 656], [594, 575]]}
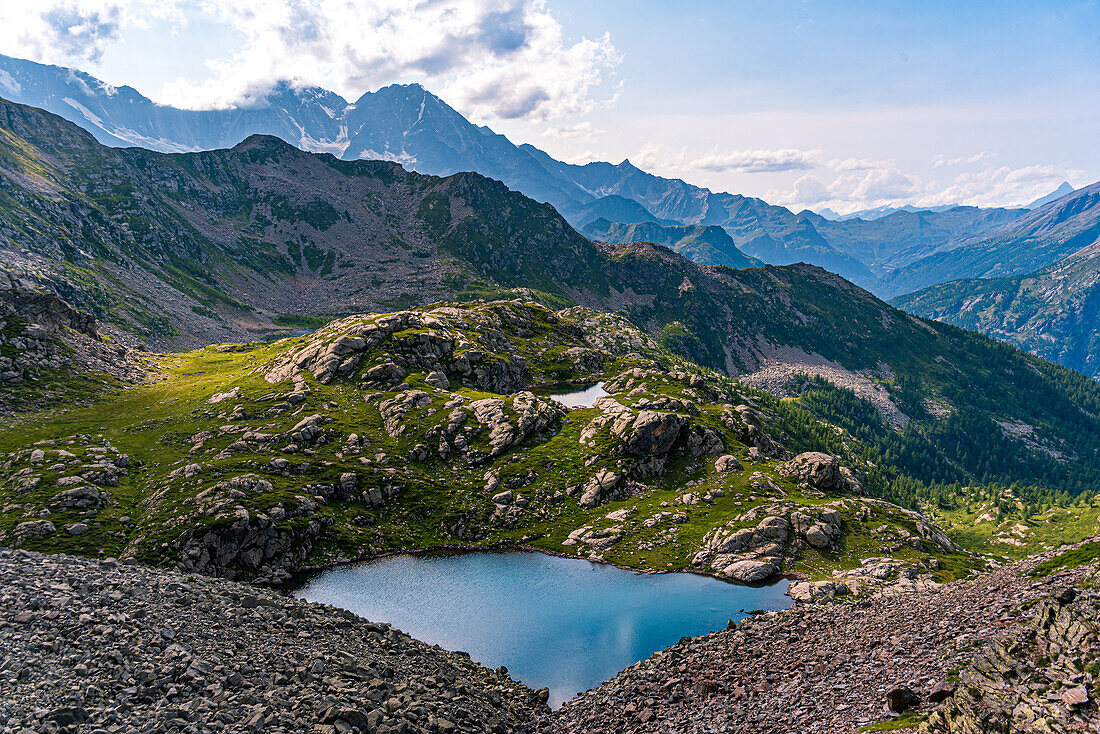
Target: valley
{"points": [[413, 370]]}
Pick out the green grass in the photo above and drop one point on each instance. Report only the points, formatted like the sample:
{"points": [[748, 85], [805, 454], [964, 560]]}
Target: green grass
{"points": [[1087, 553], [442, 501], [298, 321], [908, 720]]}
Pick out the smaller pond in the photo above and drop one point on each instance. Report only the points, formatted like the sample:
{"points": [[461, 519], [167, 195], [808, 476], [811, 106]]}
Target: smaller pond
{"points": [[562, 623], [579, 398]]}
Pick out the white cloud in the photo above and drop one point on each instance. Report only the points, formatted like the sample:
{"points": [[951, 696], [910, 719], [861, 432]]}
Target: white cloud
{"points": [[1003, 185], [502, 59], [809, 189], [884, 184], [74, 31], [854, 164], [942, 161], [758, 161]]}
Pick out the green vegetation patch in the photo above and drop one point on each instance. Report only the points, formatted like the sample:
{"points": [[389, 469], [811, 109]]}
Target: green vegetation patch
{"points": [[1086, 553]]}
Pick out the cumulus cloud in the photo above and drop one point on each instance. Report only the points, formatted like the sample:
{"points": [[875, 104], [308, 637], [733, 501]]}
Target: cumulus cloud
{"points": [[1004, 185], [74, 31], [758, 161], [809, 189], [883, 183], [502, 59]]}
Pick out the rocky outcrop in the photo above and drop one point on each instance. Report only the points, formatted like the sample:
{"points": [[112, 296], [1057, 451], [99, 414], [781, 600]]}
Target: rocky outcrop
{"points": [[529, 415], [746, 426], [750, 555], [249, 545], [450, 345], [1042, 679], [746, 555], [648, 432], [40, 331], [819, 529], [821, 471], [94, 646]]}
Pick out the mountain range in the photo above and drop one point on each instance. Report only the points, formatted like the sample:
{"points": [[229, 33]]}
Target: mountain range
{"points": [[1054, 312], [1040, 238], [193, 248], [891, 253], [409, 125]]}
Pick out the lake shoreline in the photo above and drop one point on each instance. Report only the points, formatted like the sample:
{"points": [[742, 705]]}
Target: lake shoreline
{"points": [[303, 573]]}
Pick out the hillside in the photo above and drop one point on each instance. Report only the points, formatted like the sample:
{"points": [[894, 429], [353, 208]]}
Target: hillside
{"points": [[1034, 241], [438, 427], [705, 245], [193, 248], [1054, 313]]}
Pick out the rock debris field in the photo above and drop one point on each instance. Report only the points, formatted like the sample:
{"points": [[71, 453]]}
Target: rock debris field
{"points": [[94, 646]]}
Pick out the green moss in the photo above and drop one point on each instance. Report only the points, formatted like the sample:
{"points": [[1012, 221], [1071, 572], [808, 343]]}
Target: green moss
{"points": [[908, 720]]}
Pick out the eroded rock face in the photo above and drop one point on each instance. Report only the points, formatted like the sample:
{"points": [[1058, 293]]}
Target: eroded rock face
{"points": [[1040, 680], [248, 544]]}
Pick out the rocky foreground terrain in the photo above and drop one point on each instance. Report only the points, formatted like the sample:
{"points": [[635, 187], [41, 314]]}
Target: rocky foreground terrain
{"points": [[94, 646], [97, 646], [1024, 648]]}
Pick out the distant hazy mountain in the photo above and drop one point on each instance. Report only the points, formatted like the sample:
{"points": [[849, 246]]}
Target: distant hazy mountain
{"points": [[899, 238], [705, 244], [1028, 243], [1054, 313], [614, 208], [885, 210], [1063, 190]]}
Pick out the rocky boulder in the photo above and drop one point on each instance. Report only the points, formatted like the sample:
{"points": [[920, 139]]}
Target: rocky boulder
{"points": [[820, 471], [726, 464], [77, 498], [34, 529], [750, 571], [647, 433], [810, 592]]}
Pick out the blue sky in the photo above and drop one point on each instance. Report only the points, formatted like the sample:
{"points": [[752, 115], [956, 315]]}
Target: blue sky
{"points": [[839, 104]]}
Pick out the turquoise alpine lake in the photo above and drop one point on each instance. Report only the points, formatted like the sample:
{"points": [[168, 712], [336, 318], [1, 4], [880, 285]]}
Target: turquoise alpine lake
{"points": [[561, 623]]}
